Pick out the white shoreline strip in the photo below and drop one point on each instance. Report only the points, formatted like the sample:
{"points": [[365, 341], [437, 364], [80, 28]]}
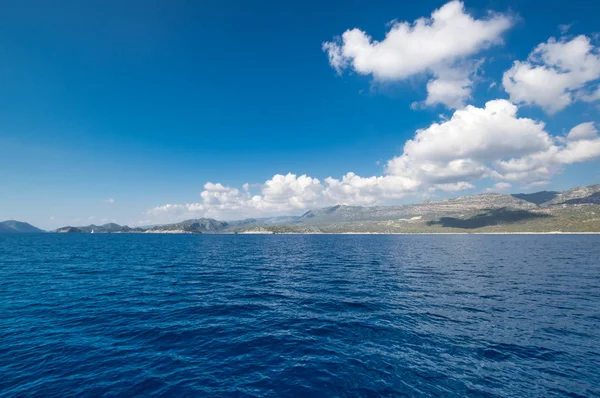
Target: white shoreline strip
{"points": [[416, 233]]}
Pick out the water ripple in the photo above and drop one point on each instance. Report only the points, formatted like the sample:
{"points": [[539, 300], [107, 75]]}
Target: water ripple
{"points": [[273, 316]]}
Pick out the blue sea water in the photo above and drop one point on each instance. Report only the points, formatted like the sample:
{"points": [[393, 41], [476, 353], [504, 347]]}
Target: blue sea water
{"points": [[299, 315]]}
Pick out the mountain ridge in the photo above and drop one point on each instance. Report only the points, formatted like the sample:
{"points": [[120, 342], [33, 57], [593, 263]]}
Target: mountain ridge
{"points": [[18, 227], [575, 209]]}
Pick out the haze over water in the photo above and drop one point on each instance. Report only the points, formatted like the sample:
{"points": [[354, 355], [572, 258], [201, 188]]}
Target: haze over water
{"points": [[299, 315]]}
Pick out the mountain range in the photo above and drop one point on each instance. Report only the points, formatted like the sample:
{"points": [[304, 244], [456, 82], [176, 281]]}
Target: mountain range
{"points": [[17, 227], [573, 210]]}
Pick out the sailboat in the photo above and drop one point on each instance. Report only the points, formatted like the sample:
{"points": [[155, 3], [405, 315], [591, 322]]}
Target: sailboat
{"points": [[92, 230]]}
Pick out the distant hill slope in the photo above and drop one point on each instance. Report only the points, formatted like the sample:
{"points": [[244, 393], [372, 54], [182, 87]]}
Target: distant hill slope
{"points": [[574, 210], [593, 198], [538, 197], [341, 213], [577, 195], [111, 228], [200, 225], [18, 227]]}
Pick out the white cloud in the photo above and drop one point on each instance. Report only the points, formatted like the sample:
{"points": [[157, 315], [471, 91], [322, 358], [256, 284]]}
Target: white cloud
{"points": [[583, 131], [452, 86], [356, 190], [281, 194], [450, 92], [499, 187], [109, 200], [502, 186], [454, 186], [578, 151], [536, 185], [564, 28], [556, 74], [409, 49], [538, 166], [437, 46], [492, 142], [582, 144], [290, 194], [465, 147], [590, 97]]}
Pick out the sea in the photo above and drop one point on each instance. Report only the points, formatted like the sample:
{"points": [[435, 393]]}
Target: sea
{"points": [[138, 315]]}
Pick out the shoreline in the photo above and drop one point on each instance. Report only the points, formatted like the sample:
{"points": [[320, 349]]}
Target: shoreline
{"points": [[415, 233], [327, 233]]}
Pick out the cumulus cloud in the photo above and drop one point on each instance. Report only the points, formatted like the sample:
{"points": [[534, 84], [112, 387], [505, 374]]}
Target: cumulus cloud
{"points": [[499, 187], [492, 142], [589, 96], [408, 49], [438, 46], [449, 92], [285, 194], [580, 149], [556, 74], [465, 147], [356, 190], [453, 187], [582, 144], [582, 131], [281, 194]]}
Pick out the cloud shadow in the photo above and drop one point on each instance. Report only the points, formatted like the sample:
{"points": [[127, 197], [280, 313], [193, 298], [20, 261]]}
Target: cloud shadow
{"points": [[488, 218]]}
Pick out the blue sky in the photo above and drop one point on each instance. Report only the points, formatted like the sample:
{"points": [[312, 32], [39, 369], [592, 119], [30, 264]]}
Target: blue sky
{"points": [[109, 111]]}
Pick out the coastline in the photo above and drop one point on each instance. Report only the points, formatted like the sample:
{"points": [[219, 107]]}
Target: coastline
{"points": [[352, 233], [416, 233]]}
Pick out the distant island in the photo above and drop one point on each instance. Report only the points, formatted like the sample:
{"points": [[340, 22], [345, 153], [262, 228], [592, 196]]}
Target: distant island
{"points": [[574, 210], [17, 227]]}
